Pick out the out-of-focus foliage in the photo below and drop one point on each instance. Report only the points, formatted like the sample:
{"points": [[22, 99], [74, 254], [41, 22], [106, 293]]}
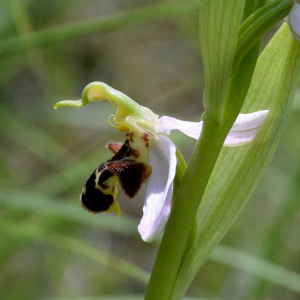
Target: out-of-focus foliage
{"points": [[50, 247]]}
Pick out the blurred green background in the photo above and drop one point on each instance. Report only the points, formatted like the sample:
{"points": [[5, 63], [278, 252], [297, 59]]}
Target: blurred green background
{"points": [[50, 248]]}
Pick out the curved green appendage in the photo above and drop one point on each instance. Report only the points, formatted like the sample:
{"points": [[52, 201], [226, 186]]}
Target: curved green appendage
{"points": [[97, 91], [129, 115], [71, 103]]}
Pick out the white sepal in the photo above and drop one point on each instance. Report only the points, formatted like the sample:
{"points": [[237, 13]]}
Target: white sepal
{"points": [[245, 128], [159, 189], [167, 124], [242, 132]]}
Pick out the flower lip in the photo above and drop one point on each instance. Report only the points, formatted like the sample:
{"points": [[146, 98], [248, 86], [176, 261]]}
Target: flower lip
{"points": [[99, 192]]}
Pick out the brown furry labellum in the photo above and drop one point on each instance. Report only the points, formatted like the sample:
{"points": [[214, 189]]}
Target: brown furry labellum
{"points": [[99, 192]]}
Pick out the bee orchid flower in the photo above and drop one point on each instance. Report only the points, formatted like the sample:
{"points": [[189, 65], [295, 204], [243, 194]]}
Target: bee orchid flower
{"points": [[148, 155]]}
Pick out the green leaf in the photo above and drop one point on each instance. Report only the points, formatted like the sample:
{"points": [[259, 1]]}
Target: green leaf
{"points": [[239, 170], [219, 28]]}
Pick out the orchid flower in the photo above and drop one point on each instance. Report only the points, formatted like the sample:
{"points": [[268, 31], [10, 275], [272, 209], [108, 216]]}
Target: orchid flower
{"points": [[148, 154]]}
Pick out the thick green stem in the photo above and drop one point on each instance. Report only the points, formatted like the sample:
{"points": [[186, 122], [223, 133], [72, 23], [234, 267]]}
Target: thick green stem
{"points": [[181, 221]]}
